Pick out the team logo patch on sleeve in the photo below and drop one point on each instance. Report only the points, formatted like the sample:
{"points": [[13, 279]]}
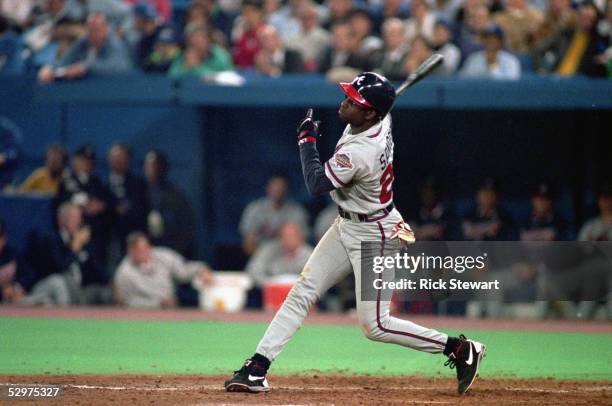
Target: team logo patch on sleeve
{"points": [[343, 160]]}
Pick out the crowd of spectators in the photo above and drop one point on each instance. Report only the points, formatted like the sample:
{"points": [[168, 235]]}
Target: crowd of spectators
{"points": [[276, 244], [500, 39], [114, 239], [127, 239]]}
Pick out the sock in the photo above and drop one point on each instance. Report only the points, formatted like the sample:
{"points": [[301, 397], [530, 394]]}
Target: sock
{"points": [[451, 345], [261, 362]]}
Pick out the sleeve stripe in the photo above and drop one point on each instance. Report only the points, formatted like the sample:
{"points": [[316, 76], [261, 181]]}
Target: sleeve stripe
{"points": [[328, 166]]}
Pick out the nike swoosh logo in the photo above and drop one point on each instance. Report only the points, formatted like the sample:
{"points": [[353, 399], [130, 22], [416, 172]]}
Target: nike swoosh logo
{"points": [[255, 378], [470, 357]]}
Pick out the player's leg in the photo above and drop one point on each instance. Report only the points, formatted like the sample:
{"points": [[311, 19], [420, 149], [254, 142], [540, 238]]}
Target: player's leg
{"points": [[379, 325], [373, 305], [327, 265]]}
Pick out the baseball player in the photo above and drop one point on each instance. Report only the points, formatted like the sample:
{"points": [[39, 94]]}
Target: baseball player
{"points": [[359, 177]]}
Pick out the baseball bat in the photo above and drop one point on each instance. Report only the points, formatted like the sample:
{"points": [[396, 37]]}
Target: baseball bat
{"points": [[423, 70]]}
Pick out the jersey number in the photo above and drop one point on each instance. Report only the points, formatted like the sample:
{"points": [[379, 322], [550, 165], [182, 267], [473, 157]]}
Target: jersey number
{"points": [[386, 183]]}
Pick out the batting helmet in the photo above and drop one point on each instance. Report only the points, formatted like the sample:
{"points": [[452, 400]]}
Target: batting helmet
{"points": [[370, 90]]}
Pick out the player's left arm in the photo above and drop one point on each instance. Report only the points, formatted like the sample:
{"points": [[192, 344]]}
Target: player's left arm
{"points": [[316, 180]]}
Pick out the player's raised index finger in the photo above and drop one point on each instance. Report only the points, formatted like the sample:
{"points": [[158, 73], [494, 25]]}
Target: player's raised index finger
{"points": [[309, 113]]}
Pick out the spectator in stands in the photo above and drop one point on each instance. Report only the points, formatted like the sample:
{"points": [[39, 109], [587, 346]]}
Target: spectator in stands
{"points": [[75, 275], [163, 8], [147, 276], [519, 21], [362, 25], [578, 50], [470, 35], [487, 221], [606, 31], [47, 178], [130, 204], [420, 50], [244, 33], [18, 12], [343, 54], [165, 52], [147, 24], [339, 12], [170, 220], [11, 62], [421, 22], [442, 44], [492, 62], [286, 19], [118, 13], [390, 60], [10, 144], [201, 57], [446, 9], [273, 59], [387, 9], [559, 17], [285, 256], [433, 220], [263, 218], [543, 223], [311, 40], [99, 52], [53, 33], [205, 13], [599, 228], [595, 279], [10, 290], [83, 188]]}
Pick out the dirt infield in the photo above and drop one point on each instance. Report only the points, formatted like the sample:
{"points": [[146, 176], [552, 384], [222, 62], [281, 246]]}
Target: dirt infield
{"points": [[340, 390]]}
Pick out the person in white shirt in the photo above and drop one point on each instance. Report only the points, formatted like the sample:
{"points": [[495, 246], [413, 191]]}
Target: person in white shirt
{"points": [[492, 62], [147, 275], [285, 256]]}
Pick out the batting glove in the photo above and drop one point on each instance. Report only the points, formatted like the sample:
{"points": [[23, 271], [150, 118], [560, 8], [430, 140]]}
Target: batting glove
{"points": [[403, 233], [308, 130]]}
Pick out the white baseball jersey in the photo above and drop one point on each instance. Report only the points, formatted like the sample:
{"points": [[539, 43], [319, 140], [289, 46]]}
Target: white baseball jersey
{"points": [[362, 169]]}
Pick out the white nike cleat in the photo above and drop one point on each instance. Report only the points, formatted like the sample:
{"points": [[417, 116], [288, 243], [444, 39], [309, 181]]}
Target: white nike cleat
{"points": [[466, 359], [245, 381]]}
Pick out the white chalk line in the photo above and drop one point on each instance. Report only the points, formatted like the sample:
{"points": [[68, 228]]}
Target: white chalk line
{"points": [[311, 388]]}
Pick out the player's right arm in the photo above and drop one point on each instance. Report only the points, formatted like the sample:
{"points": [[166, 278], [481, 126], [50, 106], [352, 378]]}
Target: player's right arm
{"points": [[315, 177]]}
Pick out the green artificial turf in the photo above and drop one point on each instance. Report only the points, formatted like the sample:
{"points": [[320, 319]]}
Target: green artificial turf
{"points": [[57, 346]]}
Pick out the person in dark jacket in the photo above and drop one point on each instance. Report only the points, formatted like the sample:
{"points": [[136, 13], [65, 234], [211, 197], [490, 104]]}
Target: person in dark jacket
{"points": [[343, 52], [66, 265], [129, 211], [488, 221], [148, 25], [273, 59], [576, 50], [83, 188], [170, 219]]}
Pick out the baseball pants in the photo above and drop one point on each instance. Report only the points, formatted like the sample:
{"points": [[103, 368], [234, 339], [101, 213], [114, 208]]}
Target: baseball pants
{"points": [[335, 256]]}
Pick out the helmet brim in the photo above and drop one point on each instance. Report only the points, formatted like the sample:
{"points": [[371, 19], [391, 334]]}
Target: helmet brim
{"points": [[349, 90]]}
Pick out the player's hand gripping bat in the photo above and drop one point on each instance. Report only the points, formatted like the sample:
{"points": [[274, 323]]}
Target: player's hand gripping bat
{"points": [[423, 70]]}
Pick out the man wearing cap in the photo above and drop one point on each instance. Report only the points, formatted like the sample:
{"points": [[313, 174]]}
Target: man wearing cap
{"points": [[543, 223], [147, 24], [492, 62], [488, 221], [165, 52], [83, 188]]}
